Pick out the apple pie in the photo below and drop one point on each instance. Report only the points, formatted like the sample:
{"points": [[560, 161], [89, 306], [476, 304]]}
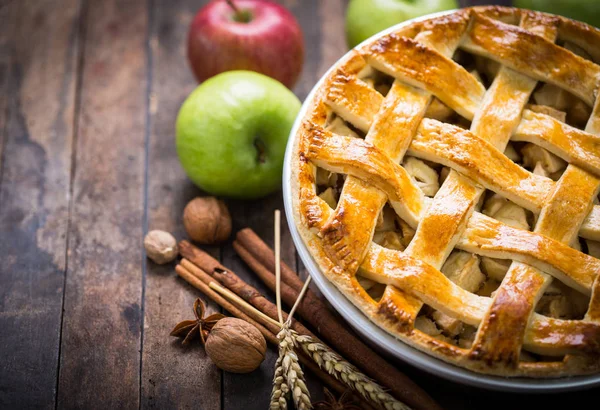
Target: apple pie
{"points": [[445, 178]]}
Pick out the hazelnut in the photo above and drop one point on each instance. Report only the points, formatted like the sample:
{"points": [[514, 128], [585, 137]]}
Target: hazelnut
{"points": [[207, 220], [160, 246], [236, 346]]}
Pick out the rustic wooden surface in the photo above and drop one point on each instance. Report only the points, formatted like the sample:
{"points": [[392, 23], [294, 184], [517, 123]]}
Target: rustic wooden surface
{"points": [[89, 92]]}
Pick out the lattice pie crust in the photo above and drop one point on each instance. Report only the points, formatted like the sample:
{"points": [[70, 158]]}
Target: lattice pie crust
{"points": [[445, 178]]}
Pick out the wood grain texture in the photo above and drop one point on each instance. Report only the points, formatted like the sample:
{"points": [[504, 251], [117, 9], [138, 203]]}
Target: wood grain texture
{"points": [[173, 376], [332, 15], [305, 11], [123, 170], [100, 351], [253, 390], [38, 49]]}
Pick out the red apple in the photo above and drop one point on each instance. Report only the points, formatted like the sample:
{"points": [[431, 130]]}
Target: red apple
{"points": [[246, 35]]}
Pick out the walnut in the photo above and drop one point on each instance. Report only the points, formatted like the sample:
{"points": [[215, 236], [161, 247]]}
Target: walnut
{"points": [[207, 220], [236, 346], [161, 246]]}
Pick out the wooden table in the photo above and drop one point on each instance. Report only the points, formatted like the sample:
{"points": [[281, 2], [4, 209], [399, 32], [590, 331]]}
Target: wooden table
{"points": [[89, 91]]}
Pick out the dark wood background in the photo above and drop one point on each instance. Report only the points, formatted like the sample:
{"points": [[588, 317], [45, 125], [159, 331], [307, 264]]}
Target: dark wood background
{"points": [[89, 91]]}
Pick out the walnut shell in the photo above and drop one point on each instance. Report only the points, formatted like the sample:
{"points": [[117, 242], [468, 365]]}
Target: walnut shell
{"points": [[236, 346], [207, 220], [161, 246]]}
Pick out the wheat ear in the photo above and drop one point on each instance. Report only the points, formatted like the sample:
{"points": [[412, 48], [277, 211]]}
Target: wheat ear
{"points": [[292, 371], [280, 388], [335, 365]]}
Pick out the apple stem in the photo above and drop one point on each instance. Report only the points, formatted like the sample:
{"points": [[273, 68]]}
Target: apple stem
{"points": [[233, 6], [241, 16]]}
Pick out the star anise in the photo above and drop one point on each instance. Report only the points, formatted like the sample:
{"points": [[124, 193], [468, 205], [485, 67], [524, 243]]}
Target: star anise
{"points": [[190, 329], [345, 402]]}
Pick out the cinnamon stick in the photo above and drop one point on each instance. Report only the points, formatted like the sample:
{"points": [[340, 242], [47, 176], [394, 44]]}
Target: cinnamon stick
{"points": [[248, 239], [328, 326], [195, 258], [261, 260], [203, 286], [201, 281]]}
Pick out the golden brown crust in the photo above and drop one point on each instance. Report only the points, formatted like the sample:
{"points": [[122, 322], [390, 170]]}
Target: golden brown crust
{"points": [[571, 144], [533, 55], [340, 240], [501, 333], [404, 59]]}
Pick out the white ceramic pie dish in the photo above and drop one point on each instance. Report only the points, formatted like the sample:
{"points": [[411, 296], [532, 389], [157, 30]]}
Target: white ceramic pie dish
{"points": [[378, 337]]}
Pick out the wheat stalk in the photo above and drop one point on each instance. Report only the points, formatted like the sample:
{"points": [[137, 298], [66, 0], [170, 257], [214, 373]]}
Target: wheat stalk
{"points": [[280, 388], [289, 376], [292, 371], [335, 365]]}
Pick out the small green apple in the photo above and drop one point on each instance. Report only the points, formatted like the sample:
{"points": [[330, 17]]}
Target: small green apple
{"points": [[584, 10], [367, 17], [232, 131]]}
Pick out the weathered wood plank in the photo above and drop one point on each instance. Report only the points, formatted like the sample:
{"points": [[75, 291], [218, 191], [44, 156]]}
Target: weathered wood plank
{"points": [[100, 350], [305, 11], [172, 376], [253, 390], [332, 15], [38, 55], [7, 14]]}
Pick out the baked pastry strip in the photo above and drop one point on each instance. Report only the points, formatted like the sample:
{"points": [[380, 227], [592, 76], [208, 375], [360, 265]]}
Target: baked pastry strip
{"points": [[533, 56], [523, 286], [505, 323], [446, 144], [574, 146], [593, 313], [483, 235], [422, 239], [404, 58], [347, 234], [446, 218], [560, 220], [590, 229]]}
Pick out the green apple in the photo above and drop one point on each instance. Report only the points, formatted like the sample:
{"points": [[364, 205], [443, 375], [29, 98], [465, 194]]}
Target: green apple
{"points": [[584, 10], [232, 131], [367, 17]]}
